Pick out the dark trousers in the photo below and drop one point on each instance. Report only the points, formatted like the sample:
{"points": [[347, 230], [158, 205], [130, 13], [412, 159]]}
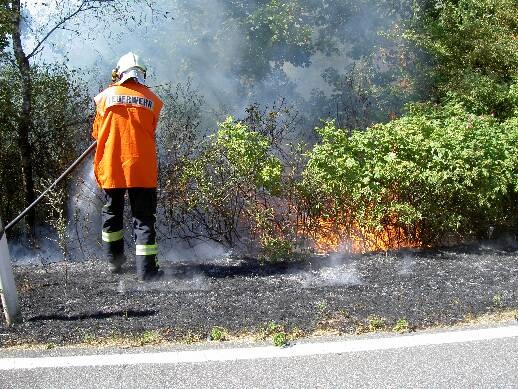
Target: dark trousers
{"points": [[143, 210]]}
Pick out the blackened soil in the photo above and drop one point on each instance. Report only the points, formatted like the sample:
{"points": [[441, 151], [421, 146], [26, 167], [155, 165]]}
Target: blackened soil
{"points": [[64, 303]]}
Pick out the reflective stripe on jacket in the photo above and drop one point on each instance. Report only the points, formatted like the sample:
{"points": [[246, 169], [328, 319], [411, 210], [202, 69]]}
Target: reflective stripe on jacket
{"points": [[124, 128]]}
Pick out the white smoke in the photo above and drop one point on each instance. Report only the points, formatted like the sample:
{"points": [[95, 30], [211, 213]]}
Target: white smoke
{"points": [[340, 270], [201, 43], [180, 251]]}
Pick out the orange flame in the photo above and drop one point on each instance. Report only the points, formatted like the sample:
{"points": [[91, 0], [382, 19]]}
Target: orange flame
{"points": [[328, 236], [340, 233]]}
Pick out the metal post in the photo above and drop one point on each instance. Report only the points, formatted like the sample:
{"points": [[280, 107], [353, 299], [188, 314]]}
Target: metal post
{"points": [[7, 284]]}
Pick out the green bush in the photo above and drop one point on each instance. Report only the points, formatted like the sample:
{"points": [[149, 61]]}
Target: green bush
{"points": [[224, 190], [438, 172], [275, 249], [247, 154]]}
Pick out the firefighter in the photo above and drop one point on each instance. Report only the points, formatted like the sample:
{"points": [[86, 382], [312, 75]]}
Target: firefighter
{"points": [[125, 161]]}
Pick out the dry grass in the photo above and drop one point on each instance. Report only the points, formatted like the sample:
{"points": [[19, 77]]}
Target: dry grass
{"points": [[325, 328]]}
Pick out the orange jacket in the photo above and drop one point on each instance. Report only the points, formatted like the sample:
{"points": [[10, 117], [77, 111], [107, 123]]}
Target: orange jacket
{"points": [[124, 128]]}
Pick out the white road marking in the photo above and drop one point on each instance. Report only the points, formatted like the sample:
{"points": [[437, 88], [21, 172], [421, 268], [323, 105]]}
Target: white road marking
{"points": [[234, 354]]}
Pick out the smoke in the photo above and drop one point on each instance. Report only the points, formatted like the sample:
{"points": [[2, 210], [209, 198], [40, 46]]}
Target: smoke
{"points": [[45, 252], [82, 233], [204, 43], [179, 251], [406, 266], [84, 214], [339, 270]]}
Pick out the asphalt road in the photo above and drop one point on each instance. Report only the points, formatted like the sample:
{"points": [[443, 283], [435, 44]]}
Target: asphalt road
{"points": [[474, 357]]}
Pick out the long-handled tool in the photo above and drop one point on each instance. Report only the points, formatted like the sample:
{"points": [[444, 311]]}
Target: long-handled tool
{"points": [[8, 292], [58, 180]]}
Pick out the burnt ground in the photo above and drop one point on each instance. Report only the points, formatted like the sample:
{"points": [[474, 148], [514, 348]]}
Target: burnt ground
{"points": [[340, 292]]}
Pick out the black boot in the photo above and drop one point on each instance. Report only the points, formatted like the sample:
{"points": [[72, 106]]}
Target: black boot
{"points": [[115, 263], [147, 268]]}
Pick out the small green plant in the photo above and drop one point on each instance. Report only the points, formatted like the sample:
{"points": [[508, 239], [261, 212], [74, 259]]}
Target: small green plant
{"points": [[88, 338], [149, 337], [218, 334], [497, 300], [50, 346], [273, 327], [401, 326], [57, 219], [280, 339], [376, 323], [322, 307], [276, 332]]}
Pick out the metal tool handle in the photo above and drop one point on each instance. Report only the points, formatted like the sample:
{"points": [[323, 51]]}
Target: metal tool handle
{"points": [[60, 178]]}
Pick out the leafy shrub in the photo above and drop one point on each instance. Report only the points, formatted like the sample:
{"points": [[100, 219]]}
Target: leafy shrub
{"points": [[240, 186], [275, 248], [247, 154], [436, 172], [221, 188]]}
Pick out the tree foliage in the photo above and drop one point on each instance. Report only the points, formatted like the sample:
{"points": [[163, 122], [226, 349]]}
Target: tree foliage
{"points": [[59, 120], [5, 23], [474, 47]]}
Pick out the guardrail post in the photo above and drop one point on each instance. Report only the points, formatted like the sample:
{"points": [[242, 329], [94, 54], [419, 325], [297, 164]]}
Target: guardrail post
{"points": [[7, 284]]}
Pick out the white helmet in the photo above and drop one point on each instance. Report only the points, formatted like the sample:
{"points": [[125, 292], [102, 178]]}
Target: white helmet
{"points": [[129, 66]]}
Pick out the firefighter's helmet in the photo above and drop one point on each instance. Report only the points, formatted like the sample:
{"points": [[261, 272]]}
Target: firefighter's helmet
{"points": [[129, 66]]}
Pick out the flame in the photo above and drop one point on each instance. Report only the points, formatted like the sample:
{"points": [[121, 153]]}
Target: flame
{"points": [[340, 233], [330, 236]]}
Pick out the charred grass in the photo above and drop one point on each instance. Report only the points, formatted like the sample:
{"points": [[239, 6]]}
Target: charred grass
{"points": [[244, 300]]}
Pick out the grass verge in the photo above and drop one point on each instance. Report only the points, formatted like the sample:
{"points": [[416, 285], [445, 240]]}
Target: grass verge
{"points": [[271, 332]]}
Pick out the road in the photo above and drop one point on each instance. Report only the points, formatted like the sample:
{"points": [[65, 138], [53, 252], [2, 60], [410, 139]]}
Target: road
{"points": [[461, 358]]}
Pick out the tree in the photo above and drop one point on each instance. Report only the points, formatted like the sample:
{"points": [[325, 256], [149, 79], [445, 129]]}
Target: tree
{"points": [[5, 24], [58, 120], [474, 49], [24, 124]]}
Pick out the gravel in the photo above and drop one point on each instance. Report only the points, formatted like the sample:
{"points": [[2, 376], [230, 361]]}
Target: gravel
{"points": [[68, 303]]}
